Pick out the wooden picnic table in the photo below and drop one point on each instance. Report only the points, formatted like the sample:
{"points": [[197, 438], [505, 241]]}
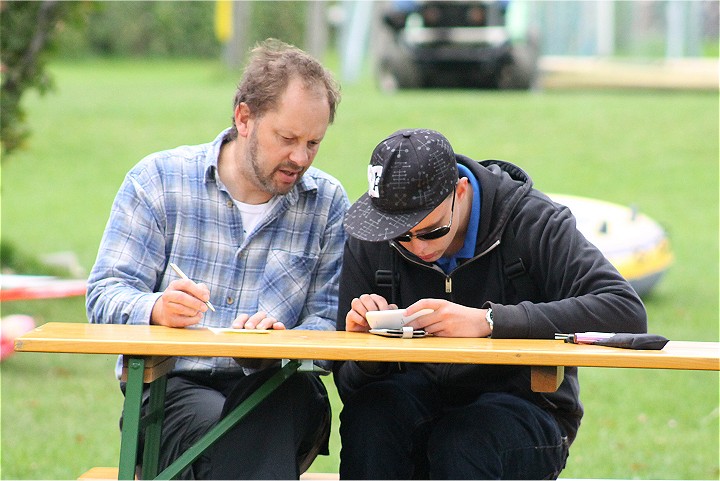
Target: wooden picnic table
{"points": [[149, 352]]}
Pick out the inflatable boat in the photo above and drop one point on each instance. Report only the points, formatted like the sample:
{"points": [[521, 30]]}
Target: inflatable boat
{"points": [[634, 243]]}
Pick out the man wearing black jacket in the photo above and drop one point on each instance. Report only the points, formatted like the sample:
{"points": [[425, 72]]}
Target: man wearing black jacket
{"points": [[491, 256]]}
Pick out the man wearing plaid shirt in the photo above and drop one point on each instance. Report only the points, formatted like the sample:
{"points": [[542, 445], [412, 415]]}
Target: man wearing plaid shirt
{"points": [[259, 233]]}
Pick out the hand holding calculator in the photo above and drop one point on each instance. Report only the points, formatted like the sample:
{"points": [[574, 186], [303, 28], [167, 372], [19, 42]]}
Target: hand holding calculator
{"points": [[392, 318]]}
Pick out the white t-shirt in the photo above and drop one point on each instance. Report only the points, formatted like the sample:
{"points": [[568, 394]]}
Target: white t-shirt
{"points": [[252, 214]]}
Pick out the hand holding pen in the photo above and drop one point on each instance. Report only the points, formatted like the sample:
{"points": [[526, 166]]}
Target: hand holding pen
{"points": [[182, 304], [182, 274]]}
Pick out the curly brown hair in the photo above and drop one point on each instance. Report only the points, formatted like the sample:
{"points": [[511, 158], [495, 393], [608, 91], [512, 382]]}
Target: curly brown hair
{"points": [[271, 66]]}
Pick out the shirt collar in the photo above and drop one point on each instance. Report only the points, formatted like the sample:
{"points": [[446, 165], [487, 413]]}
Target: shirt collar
{"points": [[468, 248], [212, 155], [448, 264]]}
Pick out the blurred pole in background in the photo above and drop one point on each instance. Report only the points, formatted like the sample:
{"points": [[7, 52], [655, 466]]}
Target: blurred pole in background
{"points": [[683, 36], [231, 27], [354, 37], [316, 28], [223, 21], [606, 29], [675, 17]]}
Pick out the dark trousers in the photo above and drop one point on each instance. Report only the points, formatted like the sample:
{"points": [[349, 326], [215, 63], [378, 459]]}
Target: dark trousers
{"points": [[279, 439], [409, 427]]}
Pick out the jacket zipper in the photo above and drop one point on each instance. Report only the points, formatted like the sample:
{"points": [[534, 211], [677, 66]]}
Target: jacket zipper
{"points": [[448, 278]]}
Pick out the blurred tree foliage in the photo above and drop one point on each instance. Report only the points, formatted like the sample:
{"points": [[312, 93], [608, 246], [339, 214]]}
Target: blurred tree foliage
{"points": [[32, 31], [284, 20], [175, 29], [28, 35], [142, 29]]}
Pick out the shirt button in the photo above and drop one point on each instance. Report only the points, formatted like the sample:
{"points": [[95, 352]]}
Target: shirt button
{"points": [[229, 203], [230, 300]]}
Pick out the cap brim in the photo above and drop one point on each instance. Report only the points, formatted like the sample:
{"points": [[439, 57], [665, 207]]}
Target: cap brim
{"points": [[363, 221]]}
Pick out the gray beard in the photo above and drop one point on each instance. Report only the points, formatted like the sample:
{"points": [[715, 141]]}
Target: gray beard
{"points": [[263, 181]]}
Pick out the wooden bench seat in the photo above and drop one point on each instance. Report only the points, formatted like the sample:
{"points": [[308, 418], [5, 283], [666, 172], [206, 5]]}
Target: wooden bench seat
{"points": [[100, 473], [112, 473]]}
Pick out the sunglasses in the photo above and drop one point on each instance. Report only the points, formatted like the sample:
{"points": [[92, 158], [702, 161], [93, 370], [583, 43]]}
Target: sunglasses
{"points": [[436, 233]]}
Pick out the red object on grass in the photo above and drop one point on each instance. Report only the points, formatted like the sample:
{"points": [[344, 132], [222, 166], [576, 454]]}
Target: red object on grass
{"points": [[12, 327], [16, 288]]}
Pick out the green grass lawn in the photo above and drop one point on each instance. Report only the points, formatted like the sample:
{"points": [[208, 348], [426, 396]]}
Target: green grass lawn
{"points": [[652, 149]]}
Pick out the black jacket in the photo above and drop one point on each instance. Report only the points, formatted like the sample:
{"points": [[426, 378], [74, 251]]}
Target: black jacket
{"points": [[576, 286]]}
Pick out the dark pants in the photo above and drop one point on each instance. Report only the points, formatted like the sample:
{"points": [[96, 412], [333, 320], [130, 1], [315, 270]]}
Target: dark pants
{"points": [[279, 439], [407, 426]]}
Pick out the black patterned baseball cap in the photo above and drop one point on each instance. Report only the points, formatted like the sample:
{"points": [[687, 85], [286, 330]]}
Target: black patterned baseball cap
{"points": [[410, 173]]}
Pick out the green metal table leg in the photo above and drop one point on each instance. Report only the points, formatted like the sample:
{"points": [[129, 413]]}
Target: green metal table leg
{"points": [[153, 428], [131, 418], [189, 456]]}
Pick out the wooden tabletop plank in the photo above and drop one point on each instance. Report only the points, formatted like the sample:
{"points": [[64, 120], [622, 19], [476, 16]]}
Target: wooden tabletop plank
{"points": [[88, 338]]}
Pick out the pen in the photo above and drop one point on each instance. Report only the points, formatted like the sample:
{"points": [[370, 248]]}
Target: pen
{"points": [[182, 274], [584, 337]]}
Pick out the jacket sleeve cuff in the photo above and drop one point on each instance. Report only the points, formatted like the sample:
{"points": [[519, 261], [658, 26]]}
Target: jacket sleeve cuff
{"points": [[510, 322]]}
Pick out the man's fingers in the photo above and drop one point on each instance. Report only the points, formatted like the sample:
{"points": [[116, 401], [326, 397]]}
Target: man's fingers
{"points": [[259, 320], [188, 306], [239, 322], [369, 302], [197, 291]]}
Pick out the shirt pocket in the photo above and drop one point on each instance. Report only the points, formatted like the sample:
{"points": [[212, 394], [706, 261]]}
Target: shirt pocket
{"points": [[286, 280]]}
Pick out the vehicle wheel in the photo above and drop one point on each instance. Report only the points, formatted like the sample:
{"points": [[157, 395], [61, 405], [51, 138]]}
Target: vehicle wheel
{"points": [[518, 72], [387, 80], [398, 74], [505, 76]]}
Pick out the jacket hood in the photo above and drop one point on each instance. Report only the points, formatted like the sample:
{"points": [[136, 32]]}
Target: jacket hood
{"points": [[503, 186]]}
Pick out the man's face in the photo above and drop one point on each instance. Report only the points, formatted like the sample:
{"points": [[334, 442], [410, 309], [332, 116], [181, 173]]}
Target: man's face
{"points": [[282, 144], [432, 250]]}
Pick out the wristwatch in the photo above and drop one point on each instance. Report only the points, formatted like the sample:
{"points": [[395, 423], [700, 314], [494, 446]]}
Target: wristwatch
{"points": [[489, 319]]}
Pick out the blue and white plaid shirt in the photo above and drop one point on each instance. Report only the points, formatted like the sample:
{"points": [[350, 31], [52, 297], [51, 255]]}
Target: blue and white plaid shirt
{"points": [[172, 207]]}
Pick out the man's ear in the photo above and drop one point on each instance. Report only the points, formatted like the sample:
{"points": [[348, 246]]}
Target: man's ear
{"points": [[242, 117], [463, 186]]}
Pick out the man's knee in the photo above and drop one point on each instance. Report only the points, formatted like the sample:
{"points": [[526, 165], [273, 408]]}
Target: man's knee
{"points": [[191, 409], [375, 405], [386, 396], [499, 438]]}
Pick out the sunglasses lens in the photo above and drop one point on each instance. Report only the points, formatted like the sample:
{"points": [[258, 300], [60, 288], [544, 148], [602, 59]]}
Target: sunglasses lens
{"points": [[435, 234]]}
